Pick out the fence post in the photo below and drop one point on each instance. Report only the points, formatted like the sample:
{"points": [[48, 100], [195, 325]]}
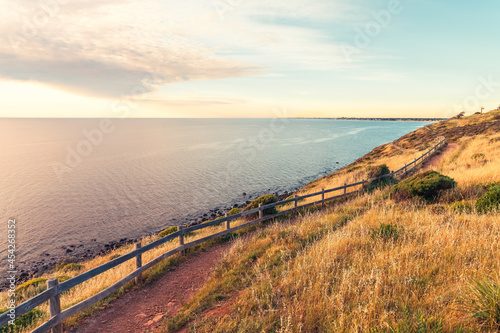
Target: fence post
{"points": [[181, 239], [54, 304], [295, 202], [261, 214], [345, 188], [363, 186], [322, 198], [138, 263], [228, 222]]}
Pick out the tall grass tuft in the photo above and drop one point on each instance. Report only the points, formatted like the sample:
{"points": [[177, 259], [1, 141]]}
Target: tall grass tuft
{"points": [[413, 323], [483, 302]]}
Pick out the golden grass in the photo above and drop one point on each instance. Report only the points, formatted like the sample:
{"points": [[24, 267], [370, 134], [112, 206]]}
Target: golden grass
{"points": [[108, 278], [310, 276], [466, 164], [306, 276]]}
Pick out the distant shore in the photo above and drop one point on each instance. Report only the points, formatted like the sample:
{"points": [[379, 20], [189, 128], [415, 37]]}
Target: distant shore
{"points": [[384, 119]]}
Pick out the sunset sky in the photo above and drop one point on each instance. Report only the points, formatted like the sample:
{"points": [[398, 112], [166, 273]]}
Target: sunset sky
{"points": [[248, 58]]}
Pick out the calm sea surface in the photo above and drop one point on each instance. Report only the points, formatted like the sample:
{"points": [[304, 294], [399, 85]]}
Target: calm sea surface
{"points": [[86, 181]]}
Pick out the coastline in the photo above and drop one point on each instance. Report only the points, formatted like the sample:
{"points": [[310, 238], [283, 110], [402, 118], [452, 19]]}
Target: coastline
{"points": [[77, 253]]}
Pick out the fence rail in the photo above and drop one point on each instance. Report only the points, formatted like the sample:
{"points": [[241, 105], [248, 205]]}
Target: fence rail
{"points": [[54, 289]]}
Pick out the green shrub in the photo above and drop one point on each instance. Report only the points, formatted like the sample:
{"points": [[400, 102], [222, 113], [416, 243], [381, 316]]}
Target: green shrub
{"points": [[24, 321], [375, 171], [478, 156], [427, 186], [264, 200], [461, 207], [385, 232], [167, 231], [490, 201], [31, 283], [414, 323], [234, 211], [72, 267], [483, 303], [35, 286]]}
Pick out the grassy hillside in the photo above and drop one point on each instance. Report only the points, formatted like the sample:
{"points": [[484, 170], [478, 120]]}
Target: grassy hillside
{"points": [[371, 264], [324, 270]]}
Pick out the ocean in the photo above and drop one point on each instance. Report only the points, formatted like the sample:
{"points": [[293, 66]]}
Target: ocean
{"points": [[74, 184]]}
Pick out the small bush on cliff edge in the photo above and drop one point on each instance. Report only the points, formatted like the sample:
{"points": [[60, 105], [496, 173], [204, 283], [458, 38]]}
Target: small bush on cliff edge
{"points": [[490, 201], [426, 186], [264, 200], [375, 171], [167, 231]]}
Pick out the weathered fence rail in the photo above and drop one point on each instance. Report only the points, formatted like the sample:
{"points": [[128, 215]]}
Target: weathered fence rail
{"points": [[54, 289]]}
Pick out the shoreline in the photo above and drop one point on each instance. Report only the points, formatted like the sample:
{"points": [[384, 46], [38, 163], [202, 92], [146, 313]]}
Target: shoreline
{"points": [[77, 253]]}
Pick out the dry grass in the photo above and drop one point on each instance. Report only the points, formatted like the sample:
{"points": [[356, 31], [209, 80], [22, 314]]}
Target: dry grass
{"points": [[310, 275], [106, 279], [306, 275]]}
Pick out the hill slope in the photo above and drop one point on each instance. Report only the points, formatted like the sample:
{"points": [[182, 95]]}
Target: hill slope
{"points": [[369, 263]]}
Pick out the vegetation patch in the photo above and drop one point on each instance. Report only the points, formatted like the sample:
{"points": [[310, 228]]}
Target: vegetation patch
{"points": [[23, 322], [426, 186], [483, 303], [461, 207], [386, 232], [234, 211], [375, 171], [71, 267], [490, 202], [414, 322], [264, 200], [33, 283], [167, 231], [478, 156]]}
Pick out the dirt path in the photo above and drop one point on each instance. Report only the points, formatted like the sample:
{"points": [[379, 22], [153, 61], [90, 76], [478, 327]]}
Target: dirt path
{"points": [[434, 162], [144, 310]]}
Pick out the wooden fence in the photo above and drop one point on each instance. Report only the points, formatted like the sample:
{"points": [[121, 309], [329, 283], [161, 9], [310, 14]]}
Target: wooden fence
{"points": [[54, 289]]}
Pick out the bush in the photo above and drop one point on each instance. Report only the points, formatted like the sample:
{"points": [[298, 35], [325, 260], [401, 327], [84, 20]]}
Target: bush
{"points": [[167, 231], [478, 156], [234, 211], [427, 186], [26, 320], [35, 286], [264, 200], [71, 267], [489, 202], [385, 232], [414, 323], [483, 303], [31, 283], [461, 207], [376, 171]]}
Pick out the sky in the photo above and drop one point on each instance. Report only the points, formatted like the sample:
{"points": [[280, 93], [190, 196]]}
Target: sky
{"points": [[248, 58]]}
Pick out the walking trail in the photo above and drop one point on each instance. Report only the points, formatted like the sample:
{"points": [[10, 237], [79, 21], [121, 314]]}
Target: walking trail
{"points": [[143, 310], [435, 160]]}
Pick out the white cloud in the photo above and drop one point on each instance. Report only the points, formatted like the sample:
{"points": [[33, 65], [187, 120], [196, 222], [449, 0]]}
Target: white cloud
{"points": [[111, 48]]}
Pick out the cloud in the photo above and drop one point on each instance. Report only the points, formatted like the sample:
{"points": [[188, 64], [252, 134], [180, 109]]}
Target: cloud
{"points": [[111, 48]]}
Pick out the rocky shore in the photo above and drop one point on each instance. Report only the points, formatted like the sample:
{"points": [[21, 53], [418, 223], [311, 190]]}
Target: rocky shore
{"points": [[81, 251]]}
